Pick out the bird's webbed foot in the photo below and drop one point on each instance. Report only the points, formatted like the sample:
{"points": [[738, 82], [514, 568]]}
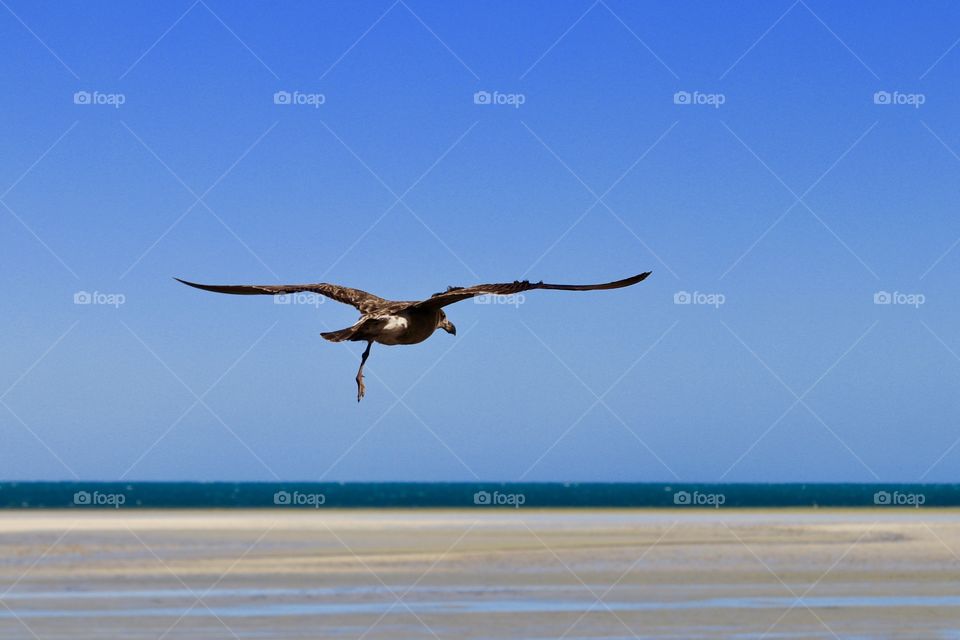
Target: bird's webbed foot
{"points": [[361, 388]]}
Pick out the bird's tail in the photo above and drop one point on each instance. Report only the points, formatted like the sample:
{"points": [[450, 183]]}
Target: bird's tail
{"points": [[341, 335]]}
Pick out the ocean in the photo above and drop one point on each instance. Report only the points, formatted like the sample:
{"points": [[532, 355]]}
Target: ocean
{"points": [[198, 495]]}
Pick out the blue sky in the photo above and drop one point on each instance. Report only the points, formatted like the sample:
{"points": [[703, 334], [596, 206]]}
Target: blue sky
{"points": [[740, 151]]}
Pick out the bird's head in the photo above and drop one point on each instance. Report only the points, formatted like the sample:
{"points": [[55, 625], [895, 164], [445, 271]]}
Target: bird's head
{"points": [[446, 325]]}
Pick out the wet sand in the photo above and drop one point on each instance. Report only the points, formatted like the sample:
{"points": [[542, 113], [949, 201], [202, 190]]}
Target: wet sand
{"points": [[481, 573]]}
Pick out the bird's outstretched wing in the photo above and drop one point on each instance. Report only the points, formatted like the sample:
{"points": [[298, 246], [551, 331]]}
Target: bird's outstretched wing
{"points": [[456, 294], [361, 300]]}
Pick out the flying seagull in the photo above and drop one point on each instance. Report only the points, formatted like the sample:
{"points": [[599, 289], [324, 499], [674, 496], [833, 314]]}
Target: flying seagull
{"points": [[393, 322]]}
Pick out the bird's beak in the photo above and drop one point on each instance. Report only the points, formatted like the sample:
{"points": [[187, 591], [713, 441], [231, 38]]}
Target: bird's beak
{"points": [[449, 328]]}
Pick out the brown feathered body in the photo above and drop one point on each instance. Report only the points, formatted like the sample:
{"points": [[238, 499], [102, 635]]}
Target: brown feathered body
{"points": [[403, 326]]}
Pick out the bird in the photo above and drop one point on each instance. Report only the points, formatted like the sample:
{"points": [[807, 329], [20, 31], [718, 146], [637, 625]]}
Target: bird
{"points": [[395, 322]]}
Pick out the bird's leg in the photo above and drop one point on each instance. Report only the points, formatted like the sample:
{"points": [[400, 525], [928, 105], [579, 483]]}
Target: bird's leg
{"points": [[361, 388]]}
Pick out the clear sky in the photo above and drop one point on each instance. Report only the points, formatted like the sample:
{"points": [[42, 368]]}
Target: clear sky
{"points": [[740, 151]]}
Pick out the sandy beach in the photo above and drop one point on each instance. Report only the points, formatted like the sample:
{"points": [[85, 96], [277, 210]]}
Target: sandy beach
{"points": [[480, 574]]}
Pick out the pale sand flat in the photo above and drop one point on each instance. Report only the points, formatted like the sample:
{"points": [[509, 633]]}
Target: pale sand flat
{"points": [[280, 573]]}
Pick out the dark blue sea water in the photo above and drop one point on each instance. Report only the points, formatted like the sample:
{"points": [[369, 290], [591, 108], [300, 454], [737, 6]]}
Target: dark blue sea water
{"points": [[87, 495]]}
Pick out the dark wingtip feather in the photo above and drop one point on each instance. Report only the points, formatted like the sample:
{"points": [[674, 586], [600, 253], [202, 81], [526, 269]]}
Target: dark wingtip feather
{"points": [[193, 284]]}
